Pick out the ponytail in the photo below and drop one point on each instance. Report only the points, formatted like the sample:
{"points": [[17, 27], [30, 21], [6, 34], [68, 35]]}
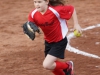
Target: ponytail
{"points": [[56, 2]]}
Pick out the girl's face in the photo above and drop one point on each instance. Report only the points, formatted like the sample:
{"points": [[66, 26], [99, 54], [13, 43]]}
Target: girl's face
{"points": [[41, 5]]}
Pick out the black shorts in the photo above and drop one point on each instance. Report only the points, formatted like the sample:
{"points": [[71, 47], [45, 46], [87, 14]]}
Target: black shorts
{"points": [[56, 49]]}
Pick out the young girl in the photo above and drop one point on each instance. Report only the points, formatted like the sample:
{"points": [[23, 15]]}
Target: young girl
{"points": [[51, 16]]}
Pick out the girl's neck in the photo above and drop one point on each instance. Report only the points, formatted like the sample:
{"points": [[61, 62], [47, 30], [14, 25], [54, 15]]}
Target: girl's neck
{"points": [[43, 12]]}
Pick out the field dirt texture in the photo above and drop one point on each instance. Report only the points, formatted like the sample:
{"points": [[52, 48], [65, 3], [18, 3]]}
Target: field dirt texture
{"points": [[21, 56]]}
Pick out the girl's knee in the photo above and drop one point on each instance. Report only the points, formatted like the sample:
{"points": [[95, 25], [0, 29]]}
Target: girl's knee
{"points": [[46, 65]]}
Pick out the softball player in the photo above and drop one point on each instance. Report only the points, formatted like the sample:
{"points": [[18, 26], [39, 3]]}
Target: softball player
{"points": [[51, 16]]}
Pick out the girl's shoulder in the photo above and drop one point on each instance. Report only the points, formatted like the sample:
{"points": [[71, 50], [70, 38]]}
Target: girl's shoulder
{"points": [[61, 7]]}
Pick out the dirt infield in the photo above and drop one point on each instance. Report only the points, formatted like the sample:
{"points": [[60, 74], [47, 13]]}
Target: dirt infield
{"points": [[21, 56]]}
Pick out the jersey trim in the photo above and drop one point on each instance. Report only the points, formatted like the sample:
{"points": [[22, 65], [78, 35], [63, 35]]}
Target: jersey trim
{"points": [[63, 25], [32, 15]]}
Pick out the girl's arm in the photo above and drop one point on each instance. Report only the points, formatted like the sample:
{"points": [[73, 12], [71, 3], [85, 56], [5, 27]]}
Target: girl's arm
{"points": [[76, 24]]}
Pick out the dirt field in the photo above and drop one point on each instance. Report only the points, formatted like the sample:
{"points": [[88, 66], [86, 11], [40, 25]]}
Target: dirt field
{"points": [[21, 56]]}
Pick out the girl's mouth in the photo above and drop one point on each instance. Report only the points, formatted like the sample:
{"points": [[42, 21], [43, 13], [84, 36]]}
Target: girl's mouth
{"points": [[38, 7]]}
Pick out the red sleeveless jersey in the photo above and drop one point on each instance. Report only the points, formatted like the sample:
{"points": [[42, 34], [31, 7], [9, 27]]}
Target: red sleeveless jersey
{"points": [[52, 22]]}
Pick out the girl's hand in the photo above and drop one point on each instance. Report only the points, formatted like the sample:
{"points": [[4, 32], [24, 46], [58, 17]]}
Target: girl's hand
{"points": [[78, 28]]}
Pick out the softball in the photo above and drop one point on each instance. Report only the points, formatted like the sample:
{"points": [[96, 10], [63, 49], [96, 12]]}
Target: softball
{"points": [[76, 33]]}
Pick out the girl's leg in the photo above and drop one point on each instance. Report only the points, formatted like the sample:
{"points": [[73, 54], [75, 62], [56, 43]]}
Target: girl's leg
{"points": [[51, 63]]}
